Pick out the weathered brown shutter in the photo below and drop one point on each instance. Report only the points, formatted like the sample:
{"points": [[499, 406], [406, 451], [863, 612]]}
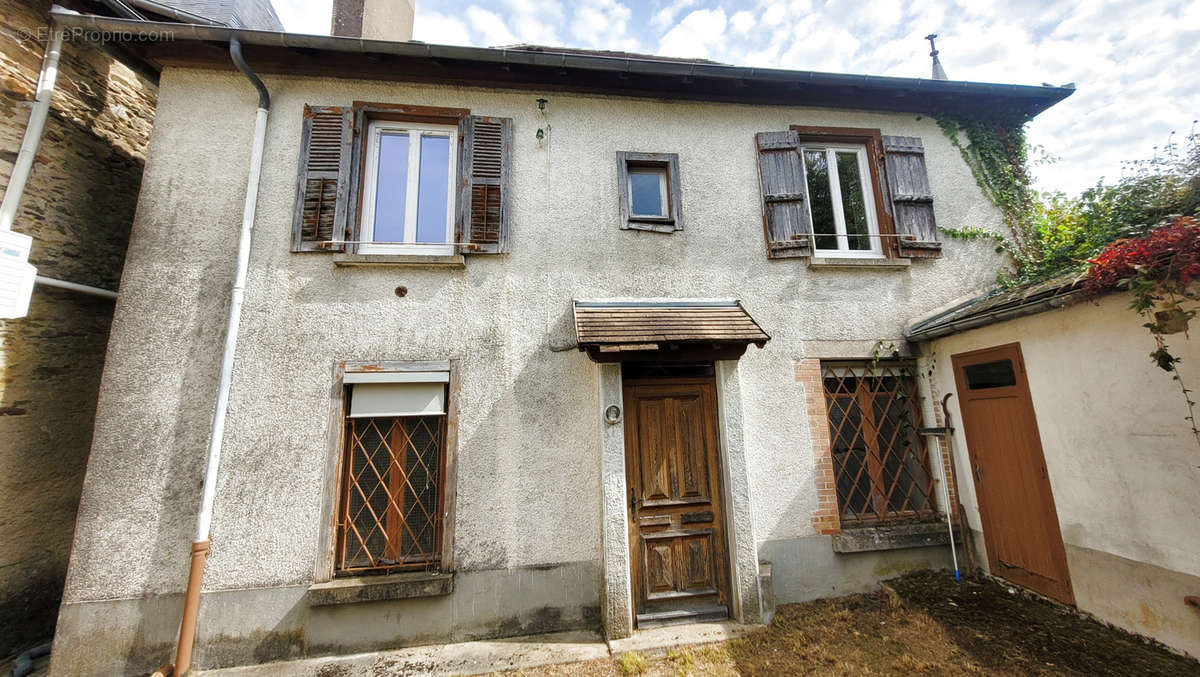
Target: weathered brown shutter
{"points": [[484, 169], [323, 189], [786, 218], [912, 200]]}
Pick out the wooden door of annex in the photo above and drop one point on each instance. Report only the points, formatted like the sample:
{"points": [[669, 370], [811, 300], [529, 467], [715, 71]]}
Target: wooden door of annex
{"points": [[1016, 505], [676, 534]]}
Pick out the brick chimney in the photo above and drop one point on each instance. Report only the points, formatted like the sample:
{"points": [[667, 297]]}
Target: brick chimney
{"points": [[374, 19]]}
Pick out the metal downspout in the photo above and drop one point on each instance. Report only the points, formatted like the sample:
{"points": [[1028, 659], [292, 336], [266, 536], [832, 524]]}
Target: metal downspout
{"points": [[200, 545], [33, 131]]}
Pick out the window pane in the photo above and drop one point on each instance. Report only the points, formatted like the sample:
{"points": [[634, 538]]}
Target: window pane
{"points": [[820, 198], [990, 375], [646, 192], [853, 201], [391, 181], [433, 189], [904, 478]]}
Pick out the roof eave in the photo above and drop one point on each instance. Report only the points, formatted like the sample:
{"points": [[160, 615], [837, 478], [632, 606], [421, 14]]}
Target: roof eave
{"points": [[1027, 100]]}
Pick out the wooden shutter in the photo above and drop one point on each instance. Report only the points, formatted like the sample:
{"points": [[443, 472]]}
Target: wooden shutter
{"points": [[323, 188], [484, 169], [786, 219], [912, 200]]}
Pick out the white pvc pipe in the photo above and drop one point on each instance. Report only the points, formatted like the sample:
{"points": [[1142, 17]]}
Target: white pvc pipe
{"points": [[33, 130], [76, 287], [204, 519]]}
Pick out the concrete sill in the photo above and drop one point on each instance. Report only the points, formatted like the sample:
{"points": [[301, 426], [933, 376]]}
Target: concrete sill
{"points": [[400, 260], [891, 537], [827, 262], [380, 588]]}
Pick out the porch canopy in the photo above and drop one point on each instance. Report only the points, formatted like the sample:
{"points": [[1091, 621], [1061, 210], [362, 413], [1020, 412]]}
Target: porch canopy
{"points": [[620, 330]]}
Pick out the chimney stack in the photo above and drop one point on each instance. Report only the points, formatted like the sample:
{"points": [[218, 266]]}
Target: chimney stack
{"points": [[374, 19]]}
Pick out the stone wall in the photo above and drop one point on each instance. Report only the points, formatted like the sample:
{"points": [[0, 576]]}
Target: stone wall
{"points": [[77, 206]]}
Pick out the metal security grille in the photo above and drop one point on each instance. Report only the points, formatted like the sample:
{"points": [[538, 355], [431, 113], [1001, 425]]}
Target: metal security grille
{"points": [[880, 464], [390, 517]]}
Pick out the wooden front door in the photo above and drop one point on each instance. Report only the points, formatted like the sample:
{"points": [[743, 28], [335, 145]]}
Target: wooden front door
{"points": [[676, 533], [1020, 524]]}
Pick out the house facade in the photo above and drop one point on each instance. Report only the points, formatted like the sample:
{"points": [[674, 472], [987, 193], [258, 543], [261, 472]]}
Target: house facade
{"points": [[527, 345], [1089, 495]]}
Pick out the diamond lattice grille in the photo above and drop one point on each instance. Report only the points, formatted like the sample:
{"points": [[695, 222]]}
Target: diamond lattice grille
{"points": [[391, 499], [880, 465]]}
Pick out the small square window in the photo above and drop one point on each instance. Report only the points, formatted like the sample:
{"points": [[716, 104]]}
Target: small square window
{"points": [[408, 197], [649, 191]]}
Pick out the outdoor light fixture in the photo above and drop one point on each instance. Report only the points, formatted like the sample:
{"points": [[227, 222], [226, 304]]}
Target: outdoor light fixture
{"points": [[612, 414]]}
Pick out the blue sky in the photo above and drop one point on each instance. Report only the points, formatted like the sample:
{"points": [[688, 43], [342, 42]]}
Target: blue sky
{"points": [[1134, 62]]}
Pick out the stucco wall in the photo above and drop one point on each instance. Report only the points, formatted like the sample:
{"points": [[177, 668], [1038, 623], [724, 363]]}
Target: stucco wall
{"points": [[1123, 465], [528, 487], [78, 205]]}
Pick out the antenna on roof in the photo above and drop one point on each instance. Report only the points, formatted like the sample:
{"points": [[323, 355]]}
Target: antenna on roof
{"points": [[938, 72]]}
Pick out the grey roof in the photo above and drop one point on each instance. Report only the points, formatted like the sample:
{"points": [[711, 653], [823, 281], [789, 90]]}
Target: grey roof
{"points": [[255, 14], [998, 305]]}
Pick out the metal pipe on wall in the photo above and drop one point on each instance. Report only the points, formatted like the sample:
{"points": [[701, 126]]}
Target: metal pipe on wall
{"points": [[200, 545], [33, 130]]}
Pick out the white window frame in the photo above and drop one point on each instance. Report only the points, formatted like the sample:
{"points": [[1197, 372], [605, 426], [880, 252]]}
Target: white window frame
{"points": [[835, 189], [375, 131], [663, 197]]}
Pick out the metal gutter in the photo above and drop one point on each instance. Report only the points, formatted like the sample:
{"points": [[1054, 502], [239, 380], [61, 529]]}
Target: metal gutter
{"points": [[992, 317], [1039, 97]]}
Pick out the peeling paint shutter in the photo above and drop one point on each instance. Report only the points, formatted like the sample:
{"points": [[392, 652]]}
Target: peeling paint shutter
{"points": [[786, 218], [323, 189], [912, 200], [483, 197]]}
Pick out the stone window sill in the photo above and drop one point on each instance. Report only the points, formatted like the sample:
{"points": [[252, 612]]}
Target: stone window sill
{"points": [[380, 588], [829, 262], [891, 537], [400, 260]]}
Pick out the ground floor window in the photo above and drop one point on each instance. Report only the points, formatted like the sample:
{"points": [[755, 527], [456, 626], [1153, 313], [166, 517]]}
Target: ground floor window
{"points": [[393, 469], [880, 464]]}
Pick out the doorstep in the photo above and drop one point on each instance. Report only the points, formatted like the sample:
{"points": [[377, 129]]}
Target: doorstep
{"points": [[474, 658]]}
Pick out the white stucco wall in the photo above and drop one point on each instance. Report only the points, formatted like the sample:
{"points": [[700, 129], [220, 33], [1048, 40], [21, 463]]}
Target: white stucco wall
{"points": [[1123, 465], [528, 487]]}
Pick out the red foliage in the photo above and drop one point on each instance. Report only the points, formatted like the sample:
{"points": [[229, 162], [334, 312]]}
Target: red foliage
{"points": [[1170, 253]]}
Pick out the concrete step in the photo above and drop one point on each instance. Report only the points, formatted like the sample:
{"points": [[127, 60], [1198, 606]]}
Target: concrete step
{"points": [[698, 614]]}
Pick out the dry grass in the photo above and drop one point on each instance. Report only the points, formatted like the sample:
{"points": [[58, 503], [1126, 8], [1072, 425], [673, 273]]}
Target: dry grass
{"points": [[932, 626]]}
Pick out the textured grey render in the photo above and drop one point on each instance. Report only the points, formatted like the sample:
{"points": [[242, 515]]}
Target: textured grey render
{"points": [[529, 492], [255, 14]]}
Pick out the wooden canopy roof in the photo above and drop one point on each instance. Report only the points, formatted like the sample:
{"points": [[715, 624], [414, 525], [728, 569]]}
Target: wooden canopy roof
{"points": [[665, 330]]}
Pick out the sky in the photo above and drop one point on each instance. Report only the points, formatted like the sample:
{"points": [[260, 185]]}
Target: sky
{"points": [[1135, 63]]}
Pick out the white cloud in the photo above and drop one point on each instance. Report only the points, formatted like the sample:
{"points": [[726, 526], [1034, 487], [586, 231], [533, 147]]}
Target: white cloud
{"points": [[603, 24], [440, 29], [491, 26], [699, 34], [665, 17], [305, 16]]}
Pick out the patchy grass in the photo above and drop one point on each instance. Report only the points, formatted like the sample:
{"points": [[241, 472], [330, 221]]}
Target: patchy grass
{"points": [[928, 625]]}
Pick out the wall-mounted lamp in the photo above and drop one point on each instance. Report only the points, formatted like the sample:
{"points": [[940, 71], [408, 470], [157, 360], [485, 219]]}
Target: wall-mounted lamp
{"points": [[542, 104], [612, 414]]}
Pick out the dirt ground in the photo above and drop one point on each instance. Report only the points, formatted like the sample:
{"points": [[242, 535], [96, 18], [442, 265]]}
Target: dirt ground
{"points": [[928, 624]]}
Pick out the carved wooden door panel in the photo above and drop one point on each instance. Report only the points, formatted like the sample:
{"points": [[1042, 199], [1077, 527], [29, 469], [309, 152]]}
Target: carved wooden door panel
{"points": [[1016, 505], [677, 539]]}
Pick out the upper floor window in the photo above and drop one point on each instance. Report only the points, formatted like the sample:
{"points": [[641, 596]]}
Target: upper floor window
{"points": [[399, 179], [845, 191], [841, 202], [648, 184], [408, 196]]}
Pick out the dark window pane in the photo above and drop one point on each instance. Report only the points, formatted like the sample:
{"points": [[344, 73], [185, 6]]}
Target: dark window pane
{"points": [[853, 201], [432, 192], [646, 192], [391, 182], [820, 198], [990, 375]]}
